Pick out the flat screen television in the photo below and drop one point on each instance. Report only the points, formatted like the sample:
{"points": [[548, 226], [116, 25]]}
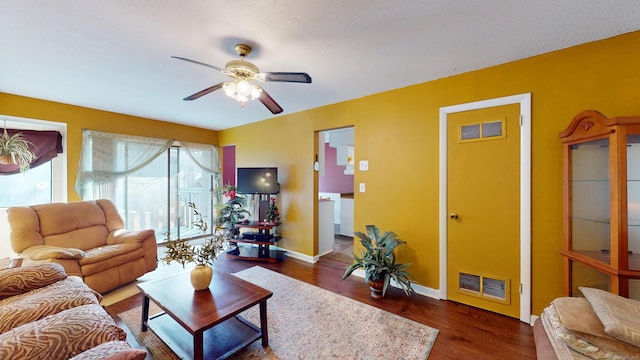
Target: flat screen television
{"points": [[257, 180]]}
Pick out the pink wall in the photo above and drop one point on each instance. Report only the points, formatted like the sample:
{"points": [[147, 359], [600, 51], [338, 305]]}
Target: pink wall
{"points": [[334, 179], [229, 165]]}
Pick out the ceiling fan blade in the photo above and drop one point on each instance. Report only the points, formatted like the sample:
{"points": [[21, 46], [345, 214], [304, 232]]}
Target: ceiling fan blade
{"points": [[271, 104], [285, 77], [201, 63], [204, 92]]}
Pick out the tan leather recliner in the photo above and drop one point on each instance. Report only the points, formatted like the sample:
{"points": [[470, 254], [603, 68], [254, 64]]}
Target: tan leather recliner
{"points": [[87, 238]]}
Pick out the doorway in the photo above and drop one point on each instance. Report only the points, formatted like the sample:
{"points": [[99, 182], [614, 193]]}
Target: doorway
{"points": [[336, 156], [465, 280]]}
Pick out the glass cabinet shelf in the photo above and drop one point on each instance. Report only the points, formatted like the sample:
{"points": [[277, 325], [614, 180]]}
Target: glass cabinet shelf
{"points": [[630, 222], [601, 221], [601, 174]]}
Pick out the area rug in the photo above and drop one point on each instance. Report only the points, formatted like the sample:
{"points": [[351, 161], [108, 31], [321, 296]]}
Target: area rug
{"points": [[307, 322]]}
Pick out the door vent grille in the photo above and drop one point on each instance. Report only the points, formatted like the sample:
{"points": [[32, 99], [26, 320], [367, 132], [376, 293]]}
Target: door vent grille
{"points": [[470, 282], [494, 288], [492, 130], [486, 287]]}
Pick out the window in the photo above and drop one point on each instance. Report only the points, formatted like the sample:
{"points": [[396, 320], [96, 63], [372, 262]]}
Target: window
{"points": [[151, 181], [42, 184], [28, 188]]}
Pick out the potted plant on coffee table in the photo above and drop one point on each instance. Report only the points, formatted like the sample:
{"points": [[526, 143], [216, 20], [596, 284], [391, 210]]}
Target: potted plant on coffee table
{"points": [[203, 255], [378, 261], [14, 149]]}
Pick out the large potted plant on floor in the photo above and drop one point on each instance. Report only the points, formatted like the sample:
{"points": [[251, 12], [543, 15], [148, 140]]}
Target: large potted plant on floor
{"points": [[378, 261], [231, 210], [203, 255]]}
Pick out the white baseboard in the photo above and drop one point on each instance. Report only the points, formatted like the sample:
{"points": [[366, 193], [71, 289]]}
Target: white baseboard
{"points": [[299, 256], [419, 289], [533, 319]]}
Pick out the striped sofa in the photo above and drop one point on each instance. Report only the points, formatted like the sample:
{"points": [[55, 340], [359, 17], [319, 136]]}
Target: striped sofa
{"points": [[600, 325], [45, 314]]}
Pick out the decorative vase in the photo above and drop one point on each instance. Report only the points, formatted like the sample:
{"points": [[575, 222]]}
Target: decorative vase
{"points": [[376, 287], [201, 277]]}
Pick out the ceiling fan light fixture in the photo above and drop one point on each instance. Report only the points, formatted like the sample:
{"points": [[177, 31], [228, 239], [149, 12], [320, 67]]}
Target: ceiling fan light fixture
{"points": [[255, 92], [229, 88], [241, 90], [243, 87]]}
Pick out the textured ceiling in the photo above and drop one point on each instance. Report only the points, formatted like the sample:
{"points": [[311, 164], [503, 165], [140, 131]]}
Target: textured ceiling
{"points": [[115, 55]]}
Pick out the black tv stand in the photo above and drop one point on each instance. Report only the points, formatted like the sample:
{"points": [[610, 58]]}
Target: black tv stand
{"points": [[256, 245]]}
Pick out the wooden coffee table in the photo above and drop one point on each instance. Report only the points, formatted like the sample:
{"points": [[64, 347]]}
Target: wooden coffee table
{"points": [[205, 324]]}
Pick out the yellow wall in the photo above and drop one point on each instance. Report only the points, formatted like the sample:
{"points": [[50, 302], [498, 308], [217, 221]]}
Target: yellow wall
{"points": [[397, 131], [78, 118]]}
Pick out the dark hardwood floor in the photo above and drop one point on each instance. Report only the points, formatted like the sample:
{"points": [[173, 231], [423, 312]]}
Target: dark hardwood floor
{"points": [[465, 332]]}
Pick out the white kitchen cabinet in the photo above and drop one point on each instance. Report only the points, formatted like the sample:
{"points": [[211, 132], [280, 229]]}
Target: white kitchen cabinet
{"points": [[325, 226], [346, 216]]}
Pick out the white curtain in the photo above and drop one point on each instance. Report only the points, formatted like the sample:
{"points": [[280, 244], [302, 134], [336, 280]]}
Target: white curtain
{"points": [[253, 206], [212, 168], [107, 157]]}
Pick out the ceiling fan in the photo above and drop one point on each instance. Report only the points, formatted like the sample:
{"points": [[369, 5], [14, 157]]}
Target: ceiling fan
{"points": [[243, 72]]}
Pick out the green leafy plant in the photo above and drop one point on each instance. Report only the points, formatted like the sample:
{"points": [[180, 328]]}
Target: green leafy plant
{"points": [[183, 253], [379, 261], [231, 210], [273, 213], [17, 147]]}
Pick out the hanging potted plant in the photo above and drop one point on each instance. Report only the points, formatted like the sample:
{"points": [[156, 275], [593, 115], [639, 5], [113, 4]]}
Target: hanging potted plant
{"points": [[15, 149], [379, 262], [203, 256]]}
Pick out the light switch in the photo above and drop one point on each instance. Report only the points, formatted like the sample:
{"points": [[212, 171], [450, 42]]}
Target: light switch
{"points": [[364, 165], [362, 187]]}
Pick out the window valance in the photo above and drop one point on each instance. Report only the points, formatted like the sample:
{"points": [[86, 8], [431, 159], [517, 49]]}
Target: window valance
{"points": [[46, 145], [106, 157]]}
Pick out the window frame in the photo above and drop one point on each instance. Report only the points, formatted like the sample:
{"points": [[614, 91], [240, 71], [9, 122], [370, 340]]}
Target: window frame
{"points": [[59, 180], [59, 163]]}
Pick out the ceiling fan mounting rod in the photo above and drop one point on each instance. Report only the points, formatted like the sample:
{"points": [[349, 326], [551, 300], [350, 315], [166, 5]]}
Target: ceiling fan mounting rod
{"points": [[242, 69], [243, 50]]}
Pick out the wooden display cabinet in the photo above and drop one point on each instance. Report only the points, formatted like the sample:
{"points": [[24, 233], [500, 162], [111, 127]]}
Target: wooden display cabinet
{"points": [[601, 171]]}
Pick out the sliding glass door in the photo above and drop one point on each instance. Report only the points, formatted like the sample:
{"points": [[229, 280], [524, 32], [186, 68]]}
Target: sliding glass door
{"points": [[190, 184], [151, 181], [157, 196]]}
